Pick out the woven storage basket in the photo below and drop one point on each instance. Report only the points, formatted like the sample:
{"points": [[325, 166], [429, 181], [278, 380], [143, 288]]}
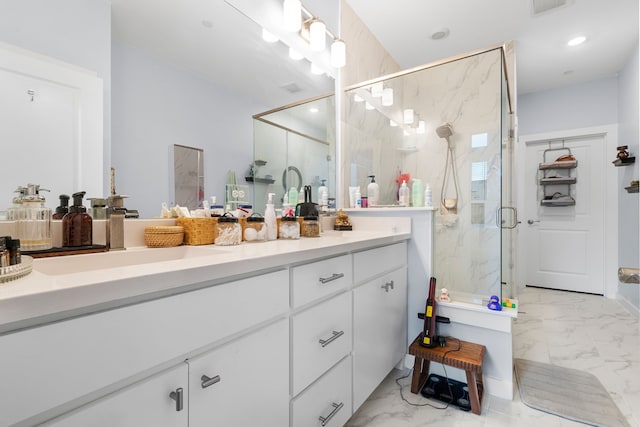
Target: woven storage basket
{"points": [[163, 236], [198, 231]]}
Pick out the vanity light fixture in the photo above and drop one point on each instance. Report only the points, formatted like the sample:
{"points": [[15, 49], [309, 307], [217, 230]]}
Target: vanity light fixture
{"points": [[269, 37], [295, 55], [387, 97], [313, 31], [292, 15], [576, 41], [377, 89], [338, 53], [408, 116], [317, 35]]}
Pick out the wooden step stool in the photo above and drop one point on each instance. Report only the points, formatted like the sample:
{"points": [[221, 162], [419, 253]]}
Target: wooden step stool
{"points": [[469, 358]]}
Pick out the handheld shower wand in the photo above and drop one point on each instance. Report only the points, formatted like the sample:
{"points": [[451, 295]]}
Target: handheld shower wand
{"points": [[448, 205]]}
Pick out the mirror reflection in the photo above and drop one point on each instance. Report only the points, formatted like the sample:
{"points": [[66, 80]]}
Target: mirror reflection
{"points": [[293, 148], [187, 76]]}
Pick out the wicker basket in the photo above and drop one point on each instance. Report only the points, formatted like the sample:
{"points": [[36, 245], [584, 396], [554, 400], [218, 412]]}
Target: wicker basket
{"points": [[198, 231], [163, 236]]}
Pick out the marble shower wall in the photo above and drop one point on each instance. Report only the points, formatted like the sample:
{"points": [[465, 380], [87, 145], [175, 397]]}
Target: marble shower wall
{"points": [[466, 93]]}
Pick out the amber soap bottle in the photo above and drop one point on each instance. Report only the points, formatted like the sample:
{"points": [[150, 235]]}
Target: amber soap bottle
{"points": [[77, 225]]}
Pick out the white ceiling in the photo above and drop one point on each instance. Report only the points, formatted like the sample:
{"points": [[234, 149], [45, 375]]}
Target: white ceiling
{"points": [[404, 28], [227, 47]]}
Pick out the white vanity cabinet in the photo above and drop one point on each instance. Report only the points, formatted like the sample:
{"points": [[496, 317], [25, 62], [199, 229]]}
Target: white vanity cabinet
{"points": [[145, 403], [44, 368], [244, 382], [379, 316]]}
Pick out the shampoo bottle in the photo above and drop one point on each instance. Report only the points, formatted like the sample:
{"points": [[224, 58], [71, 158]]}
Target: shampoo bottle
{"points": [[293, 196], [403, 194], [373, 192], [428, 197], [77, 225], [417, 193], [270, 219], [322, 195]]}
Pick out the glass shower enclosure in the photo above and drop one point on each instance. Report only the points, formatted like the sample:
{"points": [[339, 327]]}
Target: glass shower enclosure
{"points": [[447, 124]]}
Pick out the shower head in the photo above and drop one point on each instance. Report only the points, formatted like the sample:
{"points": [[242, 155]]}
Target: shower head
{"points": [[444, 131]]}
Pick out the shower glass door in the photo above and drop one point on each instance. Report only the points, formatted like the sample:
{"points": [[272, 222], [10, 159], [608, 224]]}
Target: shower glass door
{"points": [[444, 124]]}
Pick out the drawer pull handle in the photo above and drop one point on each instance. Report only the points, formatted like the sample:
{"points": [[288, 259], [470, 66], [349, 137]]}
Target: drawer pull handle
{"points": [[178, 397], [206, 381], [336, 408], [334, 276], [387, 285], [335, 336]]}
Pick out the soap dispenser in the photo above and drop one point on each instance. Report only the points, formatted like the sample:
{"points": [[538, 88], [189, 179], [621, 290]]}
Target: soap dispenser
{"points": [[63, 209], [77, 225], [33, 220], [373, 192], [270, 219]]}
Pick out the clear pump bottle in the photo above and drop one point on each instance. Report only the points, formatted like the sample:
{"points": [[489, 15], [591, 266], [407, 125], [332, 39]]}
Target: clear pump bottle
{"points": [[34, 220]]}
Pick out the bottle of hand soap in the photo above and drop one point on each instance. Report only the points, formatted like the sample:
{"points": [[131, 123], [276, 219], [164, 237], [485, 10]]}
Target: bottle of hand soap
{"points": [[270, 219], [373, 191], [77, 225], [403, 194]]}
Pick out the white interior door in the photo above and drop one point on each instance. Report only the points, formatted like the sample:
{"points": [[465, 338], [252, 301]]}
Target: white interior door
{"points": [[565, 244]]}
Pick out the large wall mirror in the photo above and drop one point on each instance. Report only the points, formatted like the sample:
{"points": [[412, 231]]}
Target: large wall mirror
{"points": [[195, 74]]}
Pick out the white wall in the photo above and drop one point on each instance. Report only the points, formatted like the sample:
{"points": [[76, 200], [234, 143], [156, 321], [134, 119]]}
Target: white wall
{"points": [[628, 214], [572, 107], [156, 105]]}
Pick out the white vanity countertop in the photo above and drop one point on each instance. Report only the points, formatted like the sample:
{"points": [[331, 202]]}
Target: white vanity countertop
{"points": [[50, 293]]}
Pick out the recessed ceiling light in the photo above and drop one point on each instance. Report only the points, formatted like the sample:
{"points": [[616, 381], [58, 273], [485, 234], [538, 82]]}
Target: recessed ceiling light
{"points": [[314, 109], [440, 34], [268, 36], [576, 41]]}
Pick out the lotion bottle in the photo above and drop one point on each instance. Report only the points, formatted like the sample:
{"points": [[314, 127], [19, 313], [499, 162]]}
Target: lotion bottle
{"points": [[358, 198], [373, 192], [403, 194], [322, 191], [270, 219], [428, 197]]}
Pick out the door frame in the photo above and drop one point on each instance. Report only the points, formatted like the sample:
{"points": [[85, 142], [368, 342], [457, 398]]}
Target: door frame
{"points": [[610, 226]]}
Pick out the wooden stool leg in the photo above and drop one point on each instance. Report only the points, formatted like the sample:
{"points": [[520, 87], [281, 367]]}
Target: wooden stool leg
{"points": [[474, 397], [420, 374]]}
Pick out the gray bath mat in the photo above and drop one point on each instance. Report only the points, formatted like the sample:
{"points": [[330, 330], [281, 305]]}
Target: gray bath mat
{"points": [[568, 393]]}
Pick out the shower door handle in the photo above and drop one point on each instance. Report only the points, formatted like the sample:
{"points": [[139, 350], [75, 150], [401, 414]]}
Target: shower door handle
{"points": [[501, 224]]}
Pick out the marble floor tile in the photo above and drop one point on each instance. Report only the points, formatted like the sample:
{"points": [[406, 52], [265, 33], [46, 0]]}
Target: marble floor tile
{"points": [[579, 331]]}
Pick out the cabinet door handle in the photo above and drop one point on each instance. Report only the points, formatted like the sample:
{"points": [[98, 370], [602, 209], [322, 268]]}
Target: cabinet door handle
{"points": [[335, 408], [178, 397], [334, 276], [206, 381], [387, 285], [335, 336]]}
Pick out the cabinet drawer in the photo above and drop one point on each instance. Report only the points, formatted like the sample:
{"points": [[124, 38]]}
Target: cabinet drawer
{"points": [[371, 263], [318, 279], [47, 366], [244, 381], [321, 336], [329, 398]]}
